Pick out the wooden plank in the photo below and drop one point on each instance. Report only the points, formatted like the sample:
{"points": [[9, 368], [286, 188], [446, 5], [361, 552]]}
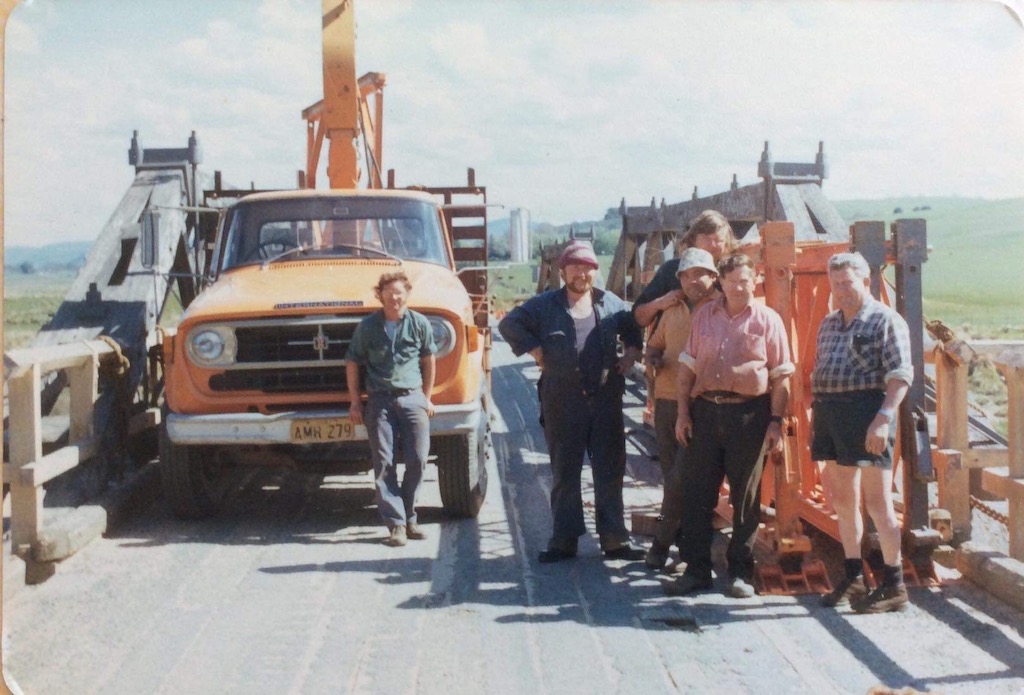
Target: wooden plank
{"points": [[746, 203], [453, 211], [53, 464], [836, 229], [475, 232], [995, 457], [997, 348], [792, 208], [470, 254], [998, 481], [54, 357]]}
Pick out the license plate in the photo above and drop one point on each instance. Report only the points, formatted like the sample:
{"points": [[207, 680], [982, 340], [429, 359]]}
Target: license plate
{"points": [[334, 429]]}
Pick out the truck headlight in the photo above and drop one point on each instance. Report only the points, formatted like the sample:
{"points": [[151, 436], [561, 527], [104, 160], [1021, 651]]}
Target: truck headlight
{"points": [[212, 346], [444, 335]]}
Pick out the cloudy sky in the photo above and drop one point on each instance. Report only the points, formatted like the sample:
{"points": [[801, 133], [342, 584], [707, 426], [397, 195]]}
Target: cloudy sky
{"points": [[562, 107]]}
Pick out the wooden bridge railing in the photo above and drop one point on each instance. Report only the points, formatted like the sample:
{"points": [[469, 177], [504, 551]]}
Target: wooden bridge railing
{"points": [[28, 468], [1002, 467]]}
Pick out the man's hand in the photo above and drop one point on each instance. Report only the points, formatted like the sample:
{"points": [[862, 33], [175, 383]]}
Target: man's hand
{"points": [[628, 359], [655, 358], [684, 428], [773, 437], [670, 299], [430, 405], [355, 411], [537, 354], [878, 435]]}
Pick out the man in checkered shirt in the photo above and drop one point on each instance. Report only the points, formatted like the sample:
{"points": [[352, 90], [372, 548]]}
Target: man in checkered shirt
{"points": [[861, 373]]}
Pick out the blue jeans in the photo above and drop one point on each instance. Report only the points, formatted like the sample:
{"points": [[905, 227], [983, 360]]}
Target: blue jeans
{"points": [[388, 415]]}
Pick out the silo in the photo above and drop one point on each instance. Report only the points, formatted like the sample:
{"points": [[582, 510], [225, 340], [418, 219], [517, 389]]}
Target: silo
{"points": [[519, 235]]}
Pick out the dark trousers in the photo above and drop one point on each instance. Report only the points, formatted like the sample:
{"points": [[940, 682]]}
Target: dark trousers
{"points": [[575, 425], [665, 412], [726, 443]]}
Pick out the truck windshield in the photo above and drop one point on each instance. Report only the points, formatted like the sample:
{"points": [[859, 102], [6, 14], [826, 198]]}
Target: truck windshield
{"points": [[297, 229]]}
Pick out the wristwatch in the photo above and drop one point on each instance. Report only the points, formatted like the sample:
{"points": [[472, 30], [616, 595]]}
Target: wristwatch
{"points": [[888, 414]]}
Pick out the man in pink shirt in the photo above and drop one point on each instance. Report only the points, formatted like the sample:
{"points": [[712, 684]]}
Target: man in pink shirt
{"points": [[733, 391]]}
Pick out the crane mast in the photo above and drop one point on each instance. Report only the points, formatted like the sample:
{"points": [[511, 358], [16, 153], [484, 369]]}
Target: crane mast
{"points": [[345, 115]]}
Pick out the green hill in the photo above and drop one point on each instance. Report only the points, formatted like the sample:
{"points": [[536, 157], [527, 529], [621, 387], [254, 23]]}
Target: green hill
{"points": [[973, 275]]}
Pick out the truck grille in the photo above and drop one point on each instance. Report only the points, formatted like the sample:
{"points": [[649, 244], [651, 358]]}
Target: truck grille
{"points": [[297, 356], [280, 380], [294, 343]]}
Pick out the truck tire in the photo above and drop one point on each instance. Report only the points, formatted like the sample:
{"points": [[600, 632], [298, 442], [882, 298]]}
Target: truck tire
{"points": [[193, 485], [462, 473]]}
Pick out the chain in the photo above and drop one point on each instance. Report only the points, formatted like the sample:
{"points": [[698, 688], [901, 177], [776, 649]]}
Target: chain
{"points": [[989, 512]]}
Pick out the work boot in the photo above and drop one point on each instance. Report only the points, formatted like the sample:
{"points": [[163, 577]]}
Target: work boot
{"points": [[740, 588], [687, 584], [555, 555], [884, 599], [397, 536], [415, 532], [847, 592], [625, 552], [657, 556]]}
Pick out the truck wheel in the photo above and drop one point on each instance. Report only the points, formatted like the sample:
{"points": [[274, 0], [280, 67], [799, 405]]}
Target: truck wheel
{"points": [[193, 483], [462, 473]]}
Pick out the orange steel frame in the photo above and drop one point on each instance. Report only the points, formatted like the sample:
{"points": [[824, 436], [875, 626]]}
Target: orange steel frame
{"points": [[796, 286]]}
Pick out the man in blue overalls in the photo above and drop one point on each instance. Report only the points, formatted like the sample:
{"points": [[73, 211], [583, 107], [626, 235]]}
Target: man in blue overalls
{"points": [[573, 334]]}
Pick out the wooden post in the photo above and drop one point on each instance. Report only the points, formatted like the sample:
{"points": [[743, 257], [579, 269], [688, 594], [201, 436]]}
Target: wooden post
{"points": [[83, 382], [1011, 365], [26, 446], [952, 433], [616, 280]]}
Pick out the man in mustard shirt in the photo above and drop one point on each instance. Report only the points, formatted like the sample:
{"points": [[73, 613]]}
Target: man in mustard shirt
{"points": [[696, 277]]}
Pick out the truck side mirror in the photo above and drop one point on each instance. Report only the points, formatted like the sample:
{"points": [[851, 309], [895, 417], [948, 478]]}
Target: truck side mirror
{"points": [[150, 251]]}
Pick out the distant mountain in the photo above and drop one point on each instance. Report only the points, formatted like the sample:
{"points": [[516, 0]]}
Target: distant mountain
{"points": [[70, 254]]}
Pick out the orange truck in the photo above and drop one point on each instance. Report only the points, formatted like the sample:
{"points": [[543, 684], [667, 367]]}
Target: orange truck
{"points": [[255, 371]]}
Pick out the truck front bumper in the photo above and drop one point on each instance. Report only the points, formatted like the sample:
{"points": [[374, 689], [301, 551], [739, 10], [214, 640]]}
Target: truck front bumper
{"points": [[256, 428]]}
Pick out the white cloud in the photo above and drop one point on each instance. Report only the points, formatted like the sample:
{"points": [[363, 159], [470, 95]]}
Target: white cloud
{"points": [[561, 107]]}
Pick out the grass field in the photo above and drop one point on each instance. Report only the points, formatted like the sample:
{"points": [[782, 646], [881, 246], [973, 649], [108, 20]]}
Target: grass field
{"points": [[29, 302], [972, 280]]}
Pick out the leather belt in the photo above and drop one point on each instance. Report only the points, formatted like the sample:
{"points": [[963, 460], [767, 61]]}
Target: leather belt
{"points": [[726, 397], [394, 393]]}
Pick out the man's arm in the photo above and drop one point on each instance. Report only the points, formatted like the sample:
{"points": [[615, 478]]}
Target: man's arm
{"points": [[878, 430], [780, 399], [521, 327], [662, 284], [427, 370], [684, 386], [355, 410], [656, 345], [646, 313]]}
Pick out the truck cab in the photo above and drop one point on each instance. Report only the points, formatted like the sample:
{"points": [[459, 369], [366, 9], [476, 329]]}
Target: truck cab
{"points": [[255, 371]]}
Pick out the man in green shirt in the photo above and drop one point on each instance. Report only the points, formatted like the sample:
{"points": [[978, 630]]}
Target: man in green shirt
{"points": [[396, 348]]}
